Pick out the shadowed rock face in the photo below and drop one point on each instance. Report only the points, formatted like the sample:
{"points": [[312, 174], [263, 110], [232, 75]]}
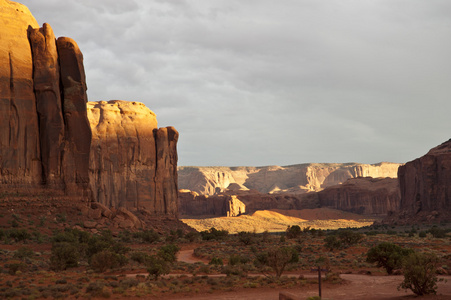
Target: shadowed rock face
{"points": [[425, 184], [46, 141], [364, 195]]}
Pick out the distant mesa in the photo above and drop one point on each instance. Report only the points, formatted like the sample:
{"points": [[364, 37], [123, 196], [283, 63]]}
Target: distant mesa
{"points": [[111, 153]]}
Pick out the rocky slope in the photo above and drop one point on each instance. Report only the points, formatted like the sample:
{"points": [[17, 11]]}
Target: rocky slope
{"points": [[425, 185], [295, 179], [112, 153]]}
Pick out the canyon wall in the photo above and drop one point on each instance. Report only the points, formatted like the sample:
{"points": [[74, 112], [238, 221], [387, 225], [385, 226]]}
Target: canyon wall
{"points": [[425, 185], [133, 163], [111, 153], [295, 179], [364, 195]]}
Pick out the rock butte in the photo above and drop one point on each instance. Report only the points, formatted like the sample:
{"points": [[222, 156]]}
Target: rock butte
{"points": [[111, 153]]}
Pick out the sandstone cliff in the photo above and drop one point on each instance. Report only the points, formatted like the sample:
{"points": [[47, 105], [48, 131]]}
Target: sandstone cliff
{"points": [[425, 185], [364, 195], [118, 157], [294, 179], [133, 163]]}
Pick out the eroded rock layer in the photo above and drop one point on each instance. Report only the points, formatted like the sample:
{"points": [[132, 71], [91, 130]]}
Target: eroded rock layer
{"points": [[133, 163], [364, 195], [293, 179]]}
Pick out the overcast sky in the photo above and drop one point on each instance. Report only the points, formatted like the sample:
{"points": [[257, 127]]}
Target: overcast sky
{"points": [[267, 82]]}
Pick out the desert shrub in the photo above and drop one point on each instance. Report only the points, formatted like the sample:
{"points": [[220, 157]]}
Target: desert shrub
{"points": [[387, 255], [216, 261], [437, 233], [247, 238], [18, 234], [293, 232], [139, 257], [422, 234], [420, 273], [214, 234], [104, 260], [16, 266], [342, 239], [192, 236], [23, 252], [102, 242], [157, 266], [349, 237], [168, 252], [64, 255], [332, 243], [147, 236]]}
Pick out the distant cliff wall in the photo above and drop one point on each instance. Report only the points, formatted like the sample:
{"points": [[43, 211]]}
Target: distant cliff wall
{"points": [[364, 195], [293, 179]]}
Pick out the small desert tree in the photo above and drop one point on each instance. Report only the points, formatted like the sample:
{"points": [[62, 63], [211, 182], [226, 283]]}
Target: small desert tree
{"points": [[420, 273], [278, 258], [387, 255]]}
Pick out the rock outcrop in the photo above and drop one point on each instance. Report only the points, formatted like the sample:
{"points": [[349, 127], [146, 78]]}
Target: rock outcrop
{"points": [[295, 179], [425, 185], [133, 163], [191, 203], [118, 157], [363, 195], [233, 203]]}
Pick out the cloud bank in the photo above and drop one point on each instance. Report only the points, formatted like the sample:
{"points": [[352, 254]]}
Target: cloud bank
{"points": [[272, 82]]}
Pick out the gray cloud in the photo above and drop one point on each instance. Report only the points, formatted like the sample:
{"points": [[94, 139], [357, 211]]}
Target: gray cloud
{"points": [[267, 82]]}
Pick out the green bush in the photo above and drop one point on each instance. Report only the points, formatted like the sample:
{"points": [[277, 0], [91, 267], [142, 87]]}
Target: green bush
{"points": [[214, 234], [216, 261], [104, 260], [156, 266], [64, 255], [247, 238], [293, 232], [387, 255], [420, 273], [168, 252], [332, 243], [23, 252]]}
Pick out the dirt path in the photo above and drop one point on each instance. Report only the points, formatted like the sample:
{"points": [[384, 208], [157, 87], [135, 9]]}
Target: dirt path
{"points": [[358, 287]]}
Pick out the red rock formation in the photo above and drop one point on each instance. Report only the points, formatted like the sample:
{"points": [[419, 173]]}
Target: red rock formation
{"points": [[133, 163], [425, 185], [48, 101], [78, 130], [19, 133], [364, 195], [45, 135]]}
